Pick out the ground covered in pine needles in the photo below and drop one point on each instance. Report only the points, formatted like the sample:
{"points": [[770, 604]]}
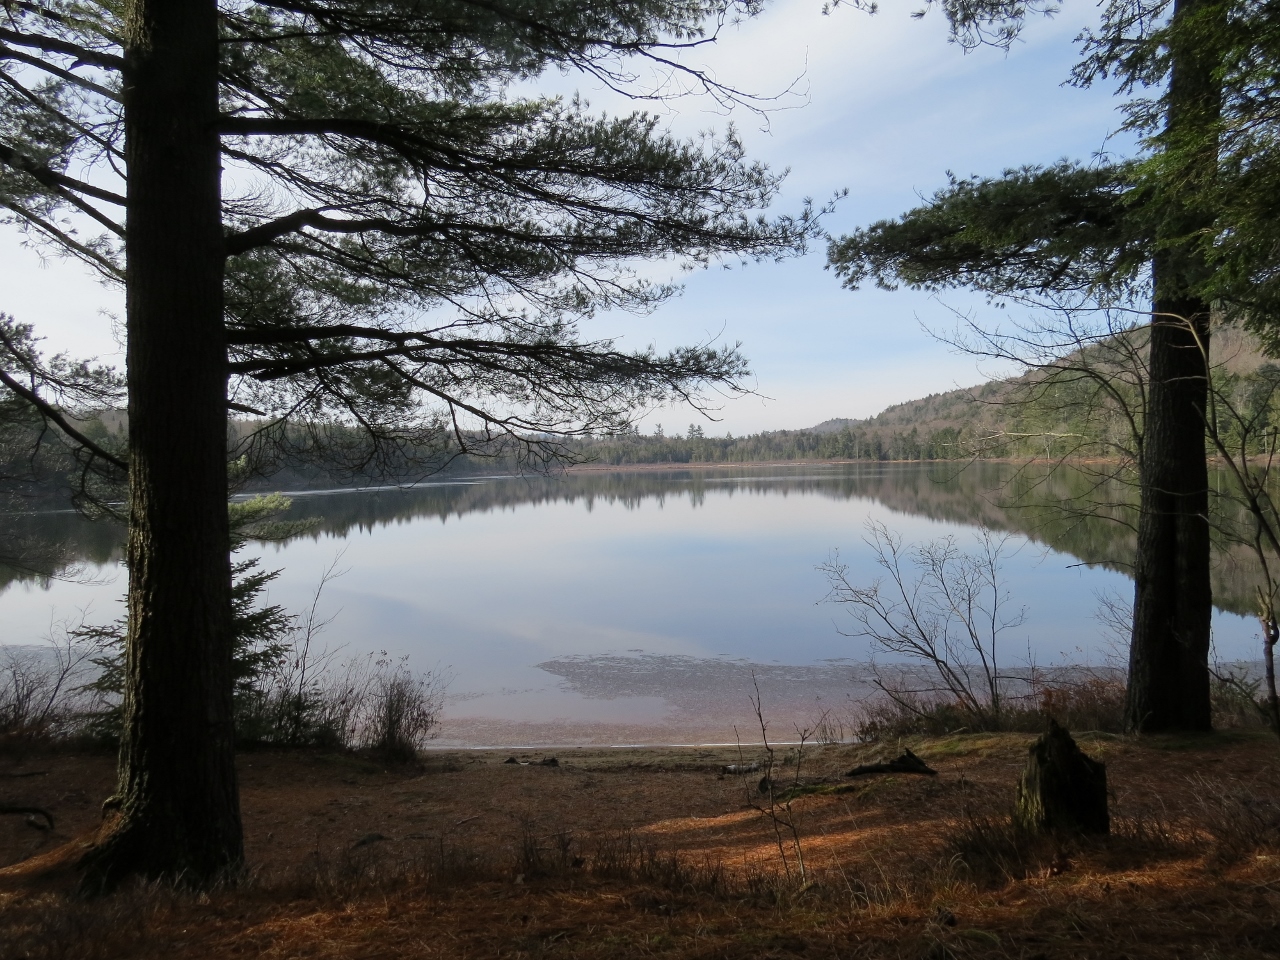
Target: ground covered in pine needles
{"points": [[661, 853]]}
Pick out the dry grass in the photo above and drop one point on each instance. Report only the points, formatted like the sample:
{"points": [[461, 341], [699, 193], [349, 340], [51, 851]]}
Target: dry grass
{"points": [[1083, 700], [658, 854]]}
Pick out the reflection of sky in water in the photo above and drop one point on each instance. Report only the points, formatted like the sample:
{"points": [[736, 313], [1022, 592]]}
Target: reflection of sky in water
{"points": [[726, 572]]}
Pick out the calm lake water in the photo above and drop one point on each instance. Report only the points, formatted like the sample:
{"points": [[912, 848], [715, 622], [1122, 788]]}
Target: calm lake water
{"points": [[635, 607]]}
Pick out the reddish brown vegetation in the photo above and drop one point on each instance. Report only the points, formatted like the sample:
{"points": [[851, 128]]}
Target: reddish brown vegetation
{"points": [[657, 853]]}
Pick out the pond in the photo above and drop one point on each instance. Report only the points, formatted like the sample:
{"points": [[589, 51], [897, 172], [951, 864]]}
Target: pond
{"points": [[636, 607]]}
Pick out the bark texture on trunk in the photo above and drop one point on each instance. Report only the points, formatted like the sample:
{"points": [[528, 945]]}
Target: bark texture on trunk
{"points": [[1173, 605], [1169, 653], [178, 802]]}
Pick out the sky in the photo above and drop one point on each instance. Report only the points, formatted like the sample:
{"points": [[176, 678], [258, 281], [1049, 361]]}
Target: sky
{"points": [[883, 106]]}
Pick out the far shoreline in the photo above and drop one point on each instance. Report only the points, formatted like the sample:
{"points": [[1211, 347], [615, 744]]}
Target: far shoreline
{"points": [[661, 467], [713, 464]]}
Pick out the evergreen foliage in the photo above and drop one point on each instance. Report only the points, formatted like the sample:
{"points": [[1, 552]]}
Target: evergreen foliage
{"points": [[1039, 231], [261, 632]]}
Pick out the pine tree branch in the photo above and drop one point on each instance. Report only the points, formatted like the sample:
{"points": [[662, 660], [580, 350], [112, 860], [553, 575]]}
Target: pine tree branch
{"points": [[107, 146], [414, 345], [286, 335], [61, 237], [76, 23], [55, 182], [8, 53], [541, 39], [51, 178], [264, 234], [309, 126], [52, 45], [51, 412], [394, 136], [417, 226]]}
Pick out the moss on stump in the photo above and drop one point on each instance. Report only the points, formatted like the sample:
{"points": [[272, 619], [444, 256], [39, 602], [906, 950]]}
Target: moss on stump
{"points": [[1062, 790]]}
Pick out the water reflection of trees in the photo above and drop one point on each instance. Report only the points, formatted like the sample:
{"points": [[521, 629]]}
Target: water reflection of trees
{"points": [[41, 546], [1074, 511]]}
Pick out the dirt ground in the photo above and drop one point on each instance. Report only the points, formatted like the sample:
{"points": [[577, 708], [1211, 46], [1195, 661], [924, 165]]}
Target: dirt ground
{"points": [[659, 852]]}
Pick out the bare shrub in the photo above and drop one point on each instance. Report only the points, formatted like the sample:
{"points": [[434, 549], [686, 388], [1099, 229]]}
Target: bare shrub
{"points": [[1237, 697], [829, 731], [402, 710], [777, 806], [940, 609], [42, 688], [371, 702], [28, 689], [906, 715], [376, 703]]}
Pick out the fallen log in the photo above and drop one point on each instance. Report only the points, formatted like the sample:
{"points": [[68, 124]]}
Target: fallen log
{"points": [[907, 763], [29, 812]]}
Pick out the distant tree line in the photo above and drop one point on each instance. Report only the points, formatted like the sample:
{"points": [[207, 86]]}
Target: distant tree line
{"points": [[849, 443], [1052, 418]]}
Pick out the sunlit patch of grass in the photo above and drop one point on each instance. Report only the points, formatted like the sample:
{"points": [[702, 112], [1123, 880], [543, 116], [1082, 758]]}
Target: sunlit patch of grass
{"points": [[972, 745]]}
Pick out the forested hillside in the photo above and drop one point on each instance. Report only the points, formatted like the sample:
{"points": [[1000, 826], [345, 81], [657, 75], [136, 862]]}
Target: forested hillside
{"points": [[1085, 405]]}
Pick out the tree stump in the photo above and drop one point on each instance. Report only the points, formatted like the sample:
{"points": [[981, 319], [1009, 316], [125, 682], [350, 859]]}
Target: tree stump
{"points": [[1061, 789]]}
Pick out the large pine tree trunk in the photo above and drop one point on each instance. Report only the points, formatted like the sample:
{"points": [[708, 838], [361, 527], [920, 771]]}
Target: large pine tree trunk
{"points": [[179, 815], [1169, 654]]}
